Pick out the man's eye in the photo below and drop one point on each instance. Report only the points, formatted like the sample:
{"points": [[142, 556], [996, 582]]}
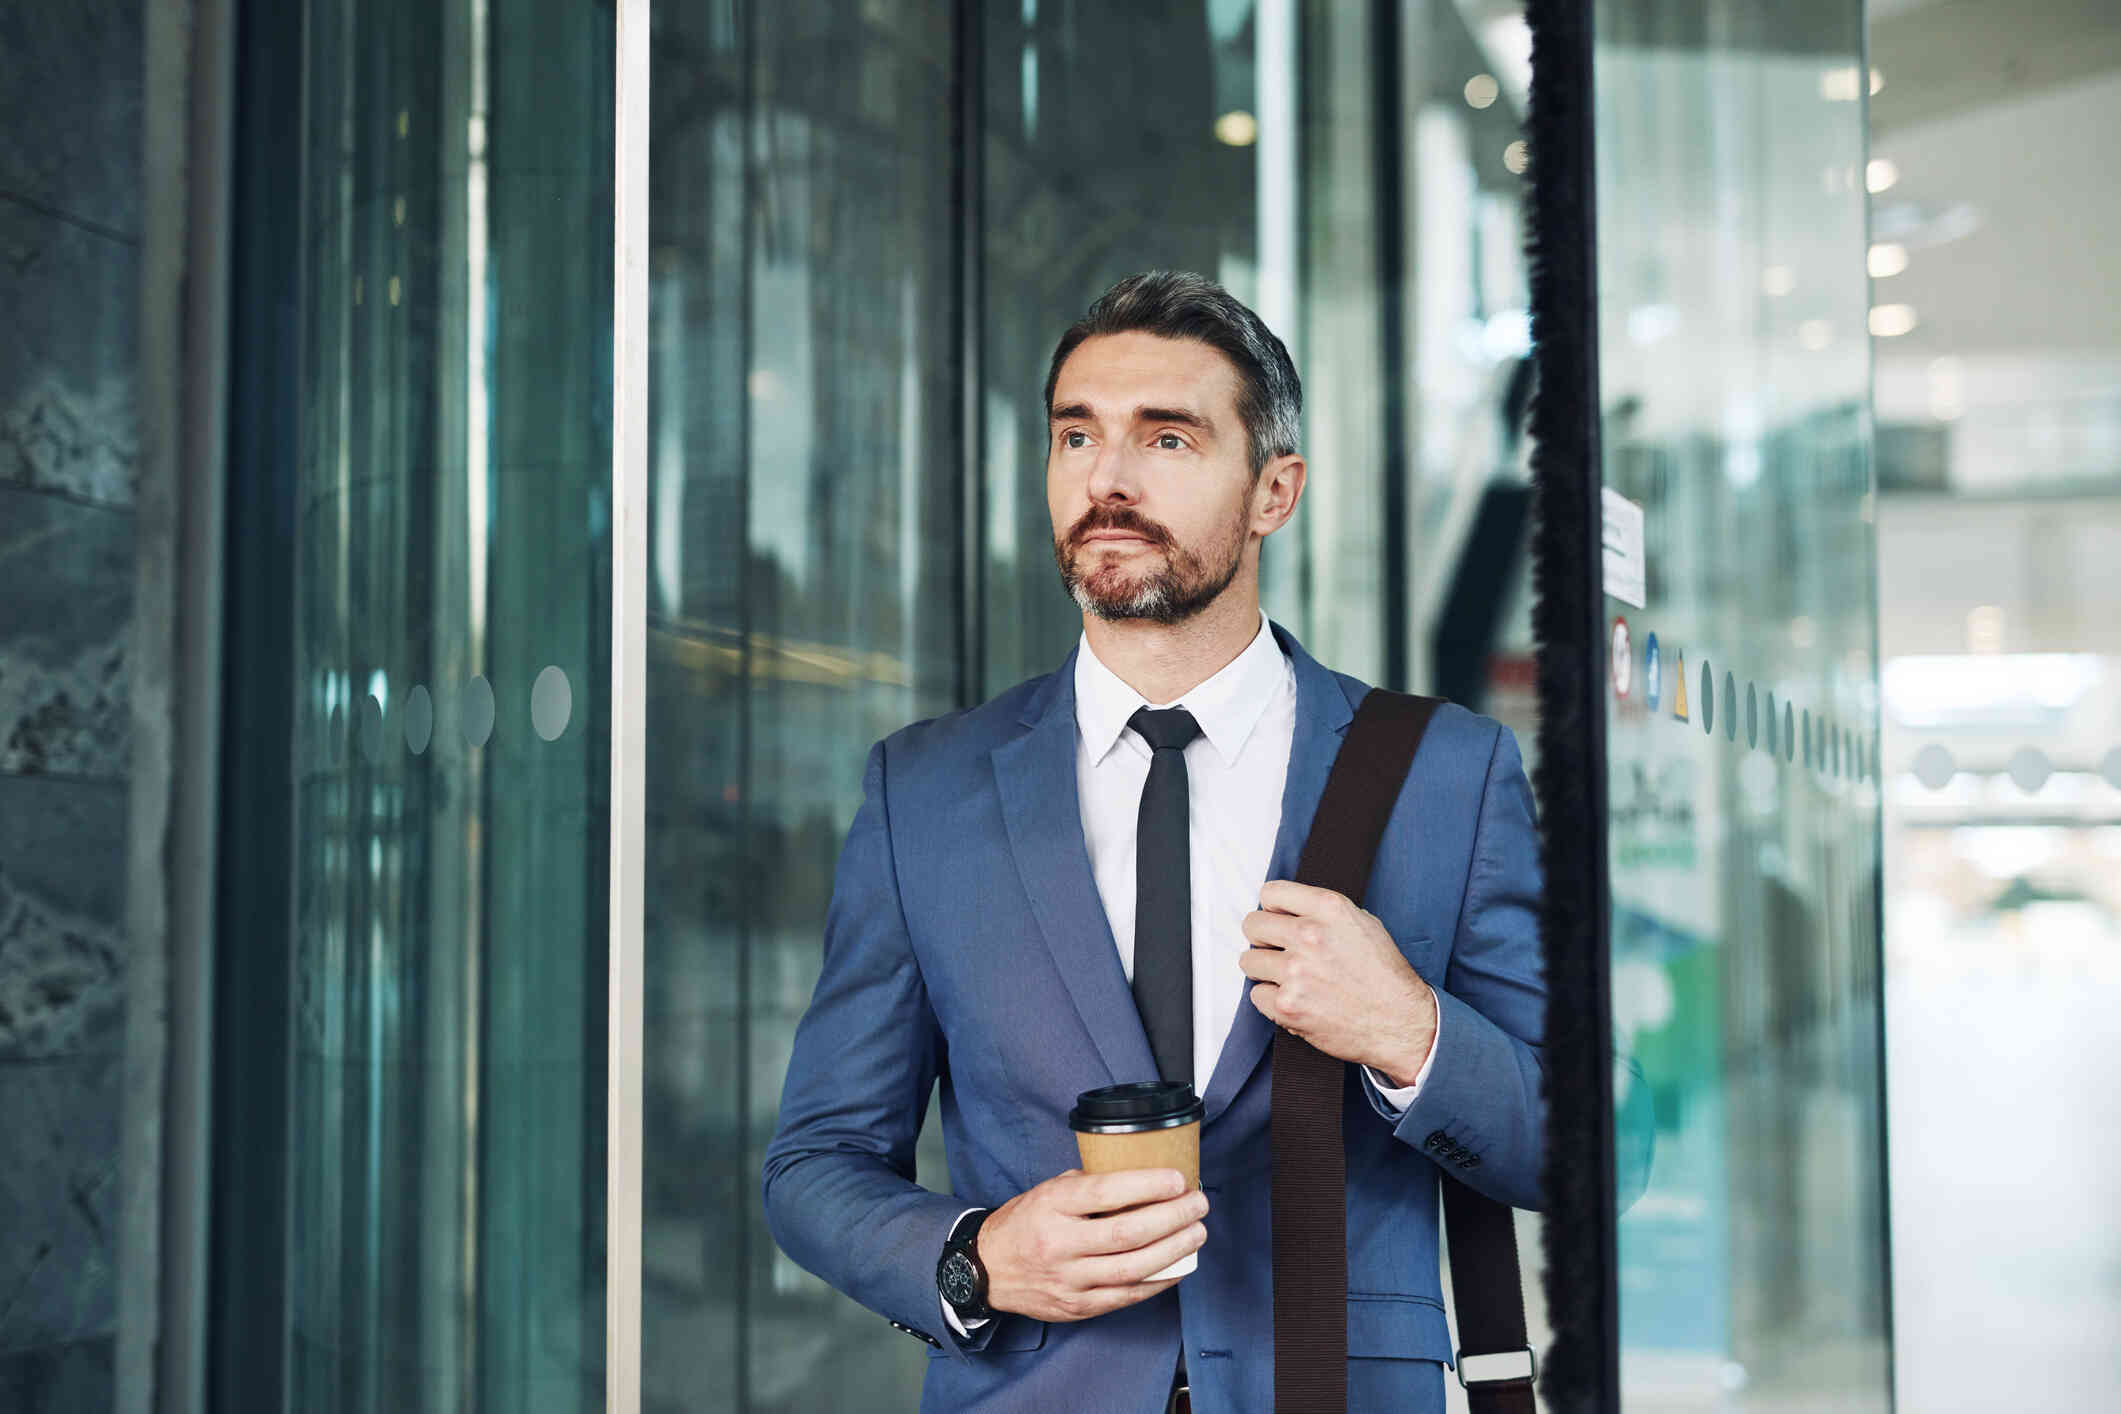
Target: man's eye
{"points": [[1171, 442], [1072, 439]]}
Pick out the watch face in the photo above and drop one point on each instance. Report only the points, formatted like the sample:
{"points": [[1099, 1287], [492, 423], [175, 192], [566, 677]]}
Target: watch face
{"points": [[958, 1279]]}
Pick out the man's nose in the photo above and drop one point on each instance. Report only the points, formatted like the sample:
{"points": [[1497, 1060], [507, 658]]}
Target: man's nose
{"points": [[1113, 476]]}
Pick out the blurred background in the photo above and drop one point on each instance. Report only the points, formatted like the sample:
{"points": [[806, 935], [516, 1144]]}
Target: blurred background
{"points": [[1999, 552]]}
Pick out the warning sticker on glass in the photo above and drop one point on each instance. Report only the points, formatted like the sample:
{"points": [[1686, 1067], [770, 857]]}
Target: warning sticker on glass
{"points": [[1626, 563]]}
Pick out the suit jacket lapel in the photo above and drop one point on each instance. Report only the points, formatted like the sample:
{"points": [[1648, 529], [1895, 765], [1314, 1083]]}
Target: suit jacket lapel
{"points": [[1323, 711], [1042, 811], [1041, 808]]}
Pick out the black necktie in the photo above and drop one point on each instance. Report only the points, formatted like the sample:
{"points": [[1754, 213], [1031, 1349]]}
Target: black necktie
{"points": [[1163, 894]]}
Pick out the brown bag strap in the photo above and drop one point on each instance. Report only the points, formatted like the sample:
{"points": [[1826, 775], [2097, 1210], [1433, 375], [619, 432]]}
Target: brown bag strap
{"points": [[1310, 1161]]}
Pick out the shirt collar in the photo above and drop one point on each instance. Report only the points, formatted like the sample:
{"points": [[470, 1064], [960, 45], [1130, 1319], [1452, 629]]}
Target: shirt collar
{"points": [[1227, 706]]}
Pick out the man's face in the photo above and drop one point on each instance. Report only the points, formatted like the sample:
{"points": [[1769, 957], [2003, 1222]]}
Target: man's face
{"points": [[1147, 477]]}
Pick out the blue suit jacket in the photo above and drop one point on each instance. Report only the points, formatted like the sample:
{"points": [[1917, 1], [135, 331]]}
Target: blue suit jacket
{"points": [[966, 945]]}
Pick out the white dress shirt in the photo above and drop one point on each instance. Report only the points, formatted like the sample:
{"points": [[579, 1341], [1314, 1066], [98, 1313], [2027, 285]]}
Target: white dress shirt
{"points": [[1235, 772]]}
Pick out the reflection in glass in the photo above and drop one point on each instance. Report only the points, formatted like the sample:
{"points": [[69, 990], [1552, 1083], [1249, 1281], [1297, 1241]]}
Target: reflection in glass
{"points": [[803, 469], [446, 1125], [1735, 377]]}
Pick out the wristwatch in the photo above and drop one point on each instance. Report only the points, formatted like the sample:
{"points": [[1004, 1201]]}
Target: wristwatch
{"points": [[958, 1274]]}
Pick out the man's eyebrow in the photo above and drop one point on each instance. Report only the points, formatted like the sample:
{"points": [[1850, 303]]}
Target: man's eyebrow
{"points": [[1183, 417]]}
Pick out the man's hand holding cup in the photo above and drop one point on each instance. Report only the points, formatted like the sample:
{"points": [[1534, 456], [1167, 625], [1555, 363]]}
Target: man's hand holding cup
{"points": [[1081, 1244]]}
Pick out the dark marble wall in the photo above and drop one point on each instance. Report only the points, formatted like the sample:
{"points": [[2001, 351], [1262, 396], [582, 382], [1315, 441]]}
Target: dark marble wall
{"points": [[70, 91]]}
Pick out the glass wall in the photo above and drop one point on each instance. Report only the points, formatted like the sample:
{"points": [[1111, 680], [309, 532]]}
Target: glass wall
{"points": [[1742, 710], [450, 765], [804, 475]]}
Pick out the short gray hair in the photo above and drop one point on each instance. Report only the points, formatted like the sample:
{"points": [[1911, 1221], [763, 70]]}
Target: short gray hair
{"points": [[1177, 304]]}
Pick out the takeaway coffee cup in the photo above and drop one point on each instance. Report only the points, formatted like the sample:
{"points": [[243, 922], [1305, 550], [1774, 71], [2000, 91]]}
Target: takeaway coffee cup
{"points": [[1150, 1124]]}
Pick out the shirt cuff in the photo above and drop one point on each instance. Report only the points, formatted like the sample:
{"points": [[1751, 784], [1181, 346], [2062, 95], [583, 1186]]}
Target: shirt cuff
{"points": [[950, 1314], [960, 1327], [1398, 1097]]}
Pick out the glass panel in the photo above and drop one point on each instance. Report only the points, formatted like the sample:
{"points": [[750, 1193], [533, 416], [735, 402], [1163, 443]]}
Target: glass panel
{"points": [[1742, 706], [803, 473], [452, 658], [1121, 139]]}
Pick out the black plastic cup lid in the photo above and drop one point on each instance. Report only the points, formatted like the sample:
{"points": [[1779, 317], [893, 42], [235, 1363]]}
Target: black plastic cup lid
{"points": [[1128, 1109]]}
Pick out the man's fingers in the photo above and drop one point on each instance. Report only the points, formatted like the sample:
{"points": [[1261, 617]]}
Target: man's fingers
{"points": [[1130, 1268], [1100, 1300], [1288, 896], [1090, 1193], [1263, 964], [1137, 1227], [1270, 930]]}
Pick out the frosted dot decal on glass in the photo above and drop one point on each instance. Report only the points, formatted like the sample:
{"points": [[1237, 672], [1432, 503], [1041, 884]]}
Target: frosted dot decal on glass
{"points": [[1934, 766], [551, 703], [1730, 706], [419, 719], [335, 737], [2030, 769], [476, 712], [1708, 698], [1789, 733]]}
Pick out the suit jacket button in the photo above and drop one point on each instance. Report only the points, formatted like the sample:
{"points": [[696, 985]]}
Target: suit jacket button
{"points": [[1436, 1140]]}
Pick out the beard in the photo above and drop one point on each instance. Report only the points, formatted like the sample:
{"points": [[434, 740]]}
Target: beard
{"points": [[1172, 592]]}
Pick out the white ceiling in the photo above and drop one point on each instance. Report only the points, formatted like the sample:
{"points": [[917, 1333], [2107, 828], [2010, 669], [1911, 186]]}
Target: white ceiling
{"points": [[2009, 107], [2040, 270]]}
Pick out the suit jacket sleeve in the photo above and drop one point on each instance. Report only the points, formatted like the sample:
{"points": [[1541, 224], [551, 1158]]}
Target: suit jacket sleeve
{"points": [[839, 1186], [1481, 1115]]}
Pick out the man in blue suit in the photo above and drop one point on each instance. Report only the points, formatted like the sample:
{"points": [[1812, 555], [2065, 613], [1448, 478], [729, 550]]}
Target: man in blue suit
{"points": [[983, 935]]}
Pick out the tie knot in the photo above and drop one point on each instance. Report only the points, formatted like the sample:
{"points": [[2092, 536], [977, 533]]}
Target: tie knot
{"points": [[1170, 729]]}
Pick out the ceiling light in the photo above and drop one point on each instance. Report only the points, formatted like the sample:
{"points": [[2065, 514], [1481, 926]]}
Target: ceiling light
{"points": [[1482, 90], [1517, 157], [1237, 128], [1890, 321], [1777, 280], [1877, 82], [1880, 174], [1815, 334], [1887, 259]]}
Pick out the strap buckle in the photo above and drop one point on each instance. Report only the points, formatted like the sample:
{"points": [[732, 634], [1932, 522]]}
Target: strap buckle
{"points": [[1510, 1371]]}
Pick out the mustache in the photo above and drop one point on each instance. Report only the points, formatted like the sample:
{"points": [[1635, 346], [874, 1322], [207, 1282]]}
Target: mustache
{"points": [[1117, 520]]}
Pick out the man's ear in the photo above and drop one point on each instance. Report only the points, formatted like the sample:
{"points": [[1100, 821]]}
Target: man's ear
{"points": [[1280, 487]]}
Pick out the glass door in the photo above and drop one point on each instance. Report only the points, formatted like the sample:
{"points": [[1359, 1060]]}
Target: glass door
{"points": [[1741, 701], [451, 760]]}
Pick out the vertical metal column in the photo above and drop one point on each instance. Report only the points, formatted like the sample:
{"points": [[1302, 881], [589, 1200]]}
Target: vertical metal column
{"points": [[1387, 95], [174, 665], [629, 710], [969, 273]]}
